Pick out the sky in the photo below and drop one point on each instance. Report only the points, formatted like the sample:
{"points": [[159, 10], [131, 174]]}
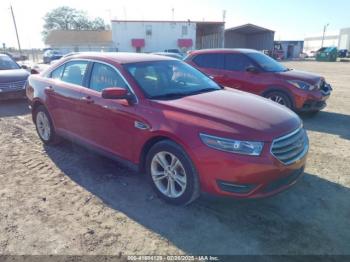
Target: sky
{"points": [[290, 19]]}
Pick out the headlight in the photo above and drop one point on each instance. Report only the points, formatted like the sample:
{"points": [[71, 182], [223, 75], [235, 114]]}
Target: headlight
{"points": [[301, 85], [233, 146]]}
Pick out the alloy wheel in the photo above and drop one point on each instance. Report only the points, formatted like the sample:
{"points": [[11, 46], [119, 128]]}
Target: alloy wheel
{"points": [[168, 174], [43, 125]]}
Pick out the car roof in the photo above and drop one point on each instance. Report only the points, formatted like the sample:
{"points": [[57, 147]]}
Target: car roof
{"points": [[223, 50], [120, 57]]}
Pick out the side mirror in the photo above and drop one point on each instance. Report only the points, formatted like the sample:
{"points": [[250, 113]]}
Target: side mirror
{"points": [[117, 93], [24, 67], [252, 69], [34, 71]]}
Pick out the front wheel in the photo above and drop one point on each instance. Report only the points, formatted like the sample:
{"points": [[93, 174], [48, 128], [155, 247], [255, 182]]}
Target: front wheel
{"points": [[279, 98], [172, 174]]}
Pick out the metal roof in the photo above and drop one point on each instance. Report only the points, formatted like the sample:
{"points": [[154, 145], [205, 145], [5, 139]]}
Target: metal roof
{"points": [[248, 29], [61, 37]]}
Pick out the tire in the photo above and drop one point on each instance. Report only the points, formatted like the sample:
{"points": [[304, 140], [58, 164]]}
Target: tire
{"points": [[280, 97], [44, 126], [176, 183]]}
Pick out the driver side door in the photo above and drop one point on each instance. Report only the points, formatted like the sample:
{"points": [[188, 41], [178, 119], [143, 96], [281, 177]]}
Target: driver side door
{"points": [[107, 124]]}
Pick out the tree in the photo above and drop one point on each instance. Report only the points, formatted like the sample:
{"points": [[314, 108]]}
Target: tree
{"points": [[67, 18]]}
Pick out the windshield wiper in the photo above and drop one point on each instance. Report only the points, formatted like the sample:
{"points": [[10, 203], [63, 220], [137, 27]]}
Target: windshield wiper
{"points": [[179, 95], [205, 90], [170, 96]]}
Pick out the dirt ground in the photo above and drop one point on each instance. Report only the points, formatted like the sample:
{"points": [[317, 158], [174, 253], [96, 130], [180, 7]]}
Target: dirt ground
{"points": [[67, 200]]}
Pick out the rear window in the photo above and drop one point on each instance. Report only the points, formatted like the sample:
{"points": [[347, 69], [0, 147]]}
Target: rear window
{"points": [[210, 61], [237, 62], [74, 72]]}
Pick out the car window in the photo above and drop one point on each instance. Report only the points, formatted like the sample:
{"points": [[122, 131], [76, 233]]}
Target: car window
{"points": [[74, 72], [237, 62], [6, 63], [210, 61], [57, 73], [104, 76]]}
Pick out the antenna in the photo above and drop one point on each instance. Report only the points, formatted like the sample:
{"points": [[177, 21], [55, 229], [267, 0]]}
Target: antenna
{"points": [[172, 14]]}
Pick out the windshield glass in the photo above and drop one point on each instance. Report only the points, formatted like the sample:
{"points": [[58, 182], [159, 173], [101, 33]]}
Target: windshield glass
{"points": [[267, 63], [170, 79], [6, 63]]}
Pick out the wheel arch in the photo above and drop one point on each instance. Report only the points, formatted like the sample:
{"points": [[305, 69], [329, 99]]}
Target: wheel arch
{"points": [[155, 139], [35, 104], [281, 90]]}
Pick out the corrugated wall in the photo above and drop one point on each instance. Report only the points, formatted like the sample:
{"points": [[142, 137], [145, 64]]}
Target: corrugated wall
{"points": [[261, 41]]}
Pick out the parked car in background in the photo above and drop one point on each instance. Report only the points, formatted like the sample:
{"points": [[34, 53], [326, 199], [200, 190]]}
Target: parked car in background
{"points": [[173, 55], [342, 53], [12, 79], [169, 119], [51, 55], [327, 54], [176, 51], [252, 71]]}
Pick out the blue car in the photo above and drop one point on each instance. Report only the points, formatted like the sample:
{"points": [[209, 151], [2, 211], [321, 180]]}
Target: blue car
{"points": [[12, 79], [51, 55]]}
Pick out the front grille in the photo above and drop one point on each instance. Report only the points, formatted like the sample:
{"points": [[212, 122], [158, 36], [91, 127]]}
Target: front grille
{"points": [[290, 148], [13, 85]]}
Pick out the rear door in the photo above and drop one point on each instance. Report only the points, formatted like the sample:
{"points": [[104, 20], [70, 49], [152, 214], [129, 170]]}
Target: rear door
{"points": [[107, 123], [211, 65], [64, 95], [235, 74]]}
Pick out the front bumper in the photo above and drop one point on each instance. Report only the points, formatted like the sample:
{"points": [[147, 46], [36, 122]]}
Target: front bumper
{"points": [[314, 101], [13, 94], [239, 176]]}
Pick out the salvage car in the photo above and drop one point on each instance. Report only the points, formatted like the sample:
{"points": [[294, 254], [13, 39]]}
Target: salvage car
{"points": [[252, 71], [161, 115], [12, 79]]}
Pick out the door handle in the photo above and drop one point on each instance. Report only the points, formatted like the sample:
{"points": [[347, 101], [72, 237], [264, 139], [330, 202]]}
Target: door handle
{"points": [[50, 89], [87, 99]]}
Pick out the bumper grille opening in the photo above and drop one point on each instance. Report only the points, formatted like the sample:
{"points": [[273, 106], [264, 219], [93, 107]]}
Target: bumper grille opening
{"points": [[284, 181], [290, 148], [235, 188]]}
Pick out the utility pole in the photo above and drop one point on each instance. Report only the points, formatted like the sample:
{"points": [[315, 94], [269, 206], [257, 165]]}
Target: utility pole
{"points": [[14, 22], [324, 32]]}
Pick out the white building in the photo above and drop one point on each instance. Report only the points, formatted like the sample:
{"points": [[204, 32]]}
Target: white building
{"points": [[344, 39], [315, 43], [157, 36]]}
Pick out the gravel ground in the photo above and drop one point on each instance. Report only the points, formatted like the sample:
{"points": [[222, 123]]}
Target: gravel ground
{"points": [[67, 200]]}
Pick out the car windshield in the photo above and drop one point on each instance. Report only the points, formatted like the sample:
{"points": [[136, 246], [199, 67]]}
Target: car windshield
{"points": [[267, 63], [170, 79], [6, 63]]}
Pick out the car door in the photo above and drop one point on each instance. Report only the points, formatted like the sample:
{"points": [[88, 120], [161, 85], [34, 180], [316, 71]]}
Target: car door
{"points": [[106, 123], [235, 73], [63, 95]]}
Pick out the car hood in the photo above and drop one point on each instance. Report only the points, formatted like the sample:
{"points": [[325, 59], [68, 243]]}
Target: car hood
{"points": [[13, 75], [232, 113], [300, 75]]}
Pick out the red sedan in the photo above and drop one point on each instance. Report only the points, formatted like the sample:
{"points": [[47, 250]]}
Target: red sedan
{"points": [[160, 114], [252, 71]]}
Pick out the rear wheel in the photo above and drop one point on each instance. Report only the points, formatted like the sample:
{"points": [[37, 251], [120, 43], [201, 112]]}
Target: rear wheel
{"points": [[172, 174], [280, 98], [44, 127]]}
